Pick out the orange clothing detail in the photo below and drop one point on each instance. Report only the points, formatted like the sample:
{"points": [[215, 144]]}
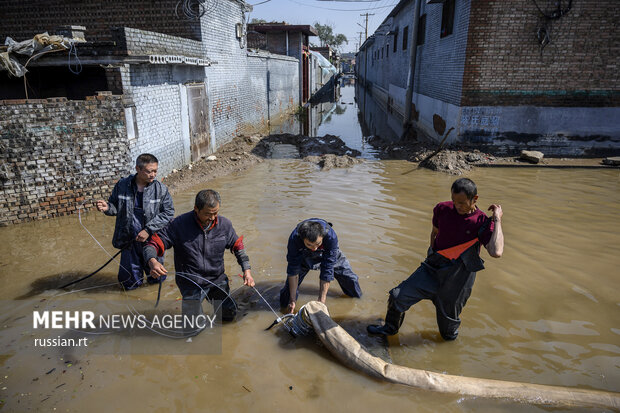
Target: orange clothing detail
{"points": [[156, 242], [453, 253]]}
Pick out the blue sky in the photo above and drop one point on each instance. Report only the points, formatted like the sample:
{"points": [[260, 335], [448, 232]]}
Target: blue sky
{"points": [[343, 16]]}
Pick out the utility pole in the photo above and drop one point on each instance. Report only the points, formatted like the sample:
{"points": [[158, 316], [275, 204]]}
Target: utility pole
{"points": [[366, 28], [360, 43]]}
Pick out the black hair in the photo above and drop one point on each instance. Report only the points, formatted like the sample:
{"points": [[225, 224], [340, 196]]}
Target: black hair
{"points": [[208, 198], [311, 230], [145, 159], [465, 186]]}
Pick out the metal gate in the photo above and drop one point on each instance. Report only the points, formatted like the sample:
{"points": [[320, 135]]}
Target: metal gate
{"points": [[200, 140]]}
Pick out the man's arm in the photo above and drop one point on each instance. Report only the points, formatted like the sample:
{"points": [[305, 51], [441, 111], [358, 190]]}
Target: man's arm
{"points": [[495, 247], [293, 268], [323, 288], [434, 233], [242, 259], [166, 213], [155, 247], [110, 207], [293, 280]]}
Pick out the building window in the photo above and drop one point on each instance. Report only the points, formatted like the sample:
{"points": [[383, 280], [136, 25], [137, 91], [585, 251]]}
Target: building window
{"points": [[447, 18], [382, 53], [422, 30], [387, 51], [395, 41], [405, 37]]}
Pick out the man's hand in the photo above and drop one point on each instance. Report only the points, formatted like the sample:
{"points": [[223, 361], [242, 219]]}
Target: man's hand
{"points": [[497, 211], [157, 270], [101, 205], [142, 236], [247, 279], [291, 308]]}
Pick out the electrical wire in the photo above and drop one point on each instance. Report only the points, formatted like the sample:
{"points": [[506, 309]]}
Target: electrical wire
{"points": [[333, 9]]}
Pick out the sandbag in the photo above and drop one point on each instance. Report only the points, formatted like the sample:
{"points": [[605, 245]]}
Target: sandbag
{"points": [[346, 349]]}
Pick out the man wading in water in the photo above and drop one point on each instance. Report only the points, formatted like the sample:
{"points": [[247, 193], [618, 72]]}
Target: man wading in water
{"points": [[200, 238], [142, 206], [313, 245], [447, 275]]}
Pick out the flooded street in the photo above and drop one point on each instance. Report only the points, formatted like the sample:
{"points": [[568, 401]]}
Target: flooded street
{"points": [[546, 312]]}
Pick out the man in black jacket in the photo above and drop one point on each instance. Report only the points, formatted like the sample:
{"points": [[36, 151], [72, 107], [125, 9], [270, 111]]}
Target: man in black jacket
{"points": [[142, 206], [200, 238]]}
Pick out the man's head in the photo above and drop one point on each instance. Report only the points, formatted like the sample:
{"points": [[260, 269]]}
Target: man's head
{"points": [[312, 233], [207, 205], [464, 195], [146, 168]]}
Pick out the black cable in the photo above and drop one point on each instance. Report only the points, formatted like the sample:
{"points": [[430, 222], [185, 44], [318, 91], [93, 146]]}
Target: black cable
{"points": [[556, 14], [92, 273], [158, 293]]}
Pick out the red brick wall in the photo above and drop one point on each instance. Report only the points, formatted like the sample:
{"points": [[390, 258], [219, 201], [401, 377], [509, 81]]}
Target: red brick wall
{"points": [[504, 65], [22, 19], [57, 154]]}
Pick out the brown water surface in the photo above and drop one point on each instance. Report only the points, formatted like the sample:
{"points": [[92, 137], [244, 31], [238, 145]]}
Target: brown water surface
{"points": [[547, 312]]}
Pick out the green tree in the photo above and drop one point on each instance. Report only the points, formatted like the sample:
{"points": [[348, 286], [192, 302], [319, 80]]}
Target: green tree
{"points": [[327, 36]]}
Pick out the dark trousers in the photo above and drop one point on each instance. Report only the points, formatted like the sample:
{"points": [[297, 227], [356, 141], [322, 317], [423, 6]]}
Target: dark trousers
{"points": [[343, 273], [448, 284], [193, 297], [132, 268]]}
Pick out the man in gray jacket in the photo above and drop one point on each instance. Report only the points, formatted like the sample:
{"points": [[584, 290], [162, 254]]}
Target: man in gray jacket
{"points": [[142, 206]]}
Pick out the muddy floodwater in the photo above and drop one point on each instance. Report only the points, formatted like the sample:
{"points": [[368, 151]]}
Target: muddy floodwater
{"points": [[547, 312]]}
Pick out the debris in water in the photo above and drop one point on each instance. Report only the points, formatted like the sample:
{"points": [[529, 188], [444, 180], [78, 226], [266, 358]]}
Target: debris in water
{"points": [[248, 390], [290, 387], [51, 370]]}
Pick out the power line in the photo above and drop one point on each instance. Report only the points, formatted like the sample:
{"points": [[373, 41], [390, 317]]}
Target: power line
{"points": [[330, 8]]}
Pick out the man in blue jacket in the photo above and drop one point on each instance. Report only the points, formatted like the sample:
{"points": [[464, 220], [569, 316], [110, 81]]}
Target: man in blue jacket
{"points": [[200, 238], [142, 206], [313, 245]]}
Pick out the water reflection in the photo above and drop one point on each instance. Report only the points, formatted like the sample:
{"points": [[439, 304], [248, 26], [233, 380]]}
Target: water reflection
{"points": [[335, 115], [375, 116]]}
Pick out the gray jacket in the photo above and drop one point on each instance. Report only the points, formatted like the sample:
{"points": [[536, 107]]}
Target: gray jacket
{"points": [[157, 204]]}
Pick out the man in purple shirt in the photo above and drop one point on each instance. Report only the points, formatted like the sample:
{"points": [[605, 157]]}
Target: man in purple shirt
{"points": [[447, 275]]}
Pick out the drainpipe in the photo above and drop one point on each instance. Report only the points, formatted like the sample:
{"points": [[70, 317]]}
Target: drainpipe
{"points": [[412, 61]]}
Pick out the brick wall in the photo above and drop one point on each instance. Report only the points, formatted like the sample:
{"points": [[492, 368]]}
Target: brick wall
{"points": [[22, 19], [232, 95], [505, 65], [153, 96], [440, 62], [57, 154], [146, 42]]}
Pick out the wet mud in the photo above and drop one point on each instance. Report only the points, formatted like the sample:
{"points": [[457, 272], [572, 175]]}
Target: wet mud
{"points": [[327, 152]]}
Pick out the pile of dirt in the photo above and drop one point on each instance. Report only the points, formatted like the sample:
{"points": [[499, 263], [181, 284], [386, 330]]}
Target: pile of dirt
{"points": [[328, 152], [450, 160], [330, 161], [306, 145], [236, 155]]}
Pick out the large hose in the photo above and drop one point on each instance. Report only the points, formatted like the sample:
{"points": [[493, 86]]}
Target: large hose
{"points": [[352, 354]]}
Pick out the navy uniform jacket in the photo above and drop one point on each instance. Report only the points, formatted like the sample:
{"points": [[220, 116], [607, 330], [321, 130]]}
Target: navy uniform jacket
{"points": [[157, 205], [327, 254], [198, 252]]}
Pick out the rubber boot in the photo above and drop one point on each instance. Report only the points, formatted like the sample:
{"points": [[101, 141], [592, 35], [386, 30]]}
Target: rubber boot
{"points": [[393, 321]]}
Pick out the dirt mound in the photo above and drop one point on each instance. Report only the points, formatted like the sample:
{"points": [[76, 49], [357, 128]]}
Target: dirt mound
{"points": [[244, 151], [330, 161], [307, 146], [450, 160], [236, 155]]}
